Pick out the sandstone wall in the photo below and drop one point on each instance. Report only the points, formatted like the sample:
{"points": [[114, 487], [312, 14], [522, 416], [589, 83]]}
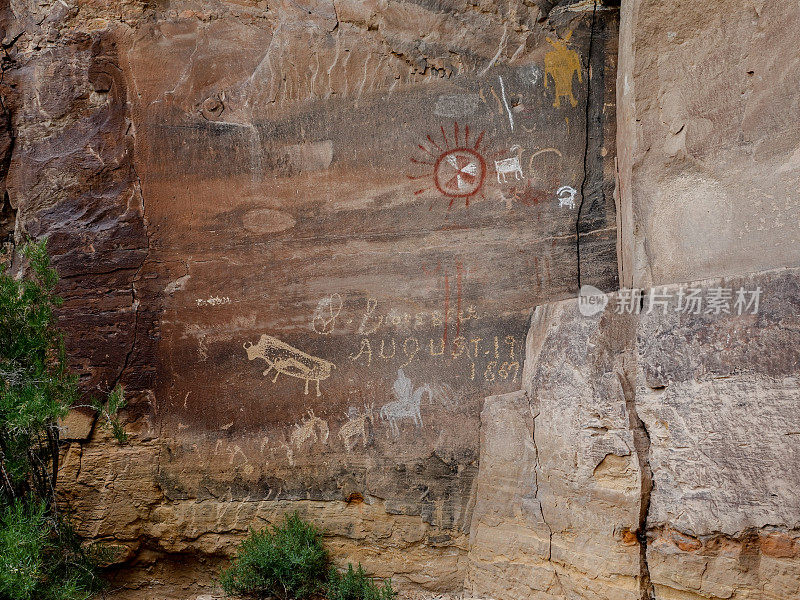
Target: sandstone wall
{"points": [[294, 231], [708, 139], [654, 452], [250, 202]]}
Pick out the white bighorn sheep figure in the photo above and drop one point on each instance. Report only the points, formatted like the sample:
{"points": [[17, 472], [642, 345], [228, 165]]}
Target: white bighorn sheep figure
{"points": [[566, 196], [407, 403], [510, 165], [308, 429]]}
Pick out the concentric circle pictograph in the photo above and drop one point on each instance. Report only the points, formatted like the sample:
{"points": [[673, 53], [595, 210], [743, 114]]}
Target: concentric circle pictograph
{"points": [[453, 163], [459, 173]]}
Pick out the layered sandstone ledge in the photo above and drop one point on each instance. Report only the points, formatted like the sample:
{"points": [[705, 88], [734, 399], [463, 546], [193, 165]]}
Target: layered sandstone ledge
{"points": [[649, 453]]}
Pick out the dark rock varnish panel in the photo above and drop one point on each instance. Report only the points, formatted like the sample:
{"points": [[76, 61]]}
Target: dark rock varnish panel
{"points": [[352, 257], [333, 220]]}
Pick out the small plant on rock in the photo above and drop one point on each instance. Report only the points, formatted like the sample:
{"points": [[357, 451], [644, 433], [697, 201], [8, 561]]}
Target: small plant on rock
{"points": [[108, 412], [355, 584], [286, 561]]}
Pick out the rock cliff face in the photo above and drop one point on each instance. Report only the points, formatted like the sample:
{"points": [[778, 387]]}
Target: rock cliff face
{"points": [[654, 452], [708, 139], [332, 249]]}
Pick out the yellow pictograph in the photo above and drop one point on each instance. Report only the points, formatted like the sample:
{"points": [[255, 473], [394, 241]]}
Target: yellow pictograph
{"points": [[561, 64]]}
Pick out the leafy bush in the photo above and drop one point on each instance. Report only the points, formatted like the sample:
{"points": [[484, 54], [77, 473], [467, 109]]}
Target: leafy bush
{"points": [[287, 561], [357, 585], [36, 388], [23, 535], [41, 558]]}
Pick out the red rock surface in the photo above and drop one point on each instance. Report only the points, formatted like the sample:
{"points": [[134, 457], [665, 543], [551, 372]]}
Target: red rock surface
{"points": [[307, 236]]}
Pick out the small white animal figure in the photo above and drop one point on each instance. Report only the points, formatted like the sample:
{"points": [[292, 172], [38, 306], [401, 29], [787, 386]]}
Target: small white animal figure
{"points": [[308, 429], [566, 196], [407, 404], [510, 165], [355, 427]]}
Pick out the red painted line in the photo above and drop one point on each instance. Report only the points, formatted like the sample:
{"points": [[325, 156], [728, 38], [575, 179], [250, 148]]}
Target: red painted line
{"points": [[459, 273], [430, 139], [424, 149], [478, 142], [444, 135], [446, 307], [455, 129]]}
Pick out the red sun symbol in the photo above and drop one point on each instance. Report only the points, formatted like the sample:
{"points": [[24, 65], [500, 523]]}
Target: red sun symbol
{"points": [[458, 170]]}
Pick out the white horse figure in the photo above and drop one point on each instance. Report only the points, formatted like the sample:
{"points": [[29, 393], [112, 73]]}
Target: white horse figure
{"points": [[510, 165], [407, 404]]}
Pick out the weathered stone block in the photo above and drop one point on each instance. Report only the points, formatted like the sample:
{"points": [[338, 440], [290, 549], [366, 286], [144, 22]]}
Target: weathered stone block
{"points": [[709, 153], [559, 489]]}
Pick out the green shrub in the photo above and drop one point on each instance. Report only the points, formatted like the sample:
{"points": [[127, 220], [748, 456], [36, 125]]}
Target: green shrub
{"points": [[23, 536], [41, 558], [287, 561], [36, 388], [355, 584]]}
